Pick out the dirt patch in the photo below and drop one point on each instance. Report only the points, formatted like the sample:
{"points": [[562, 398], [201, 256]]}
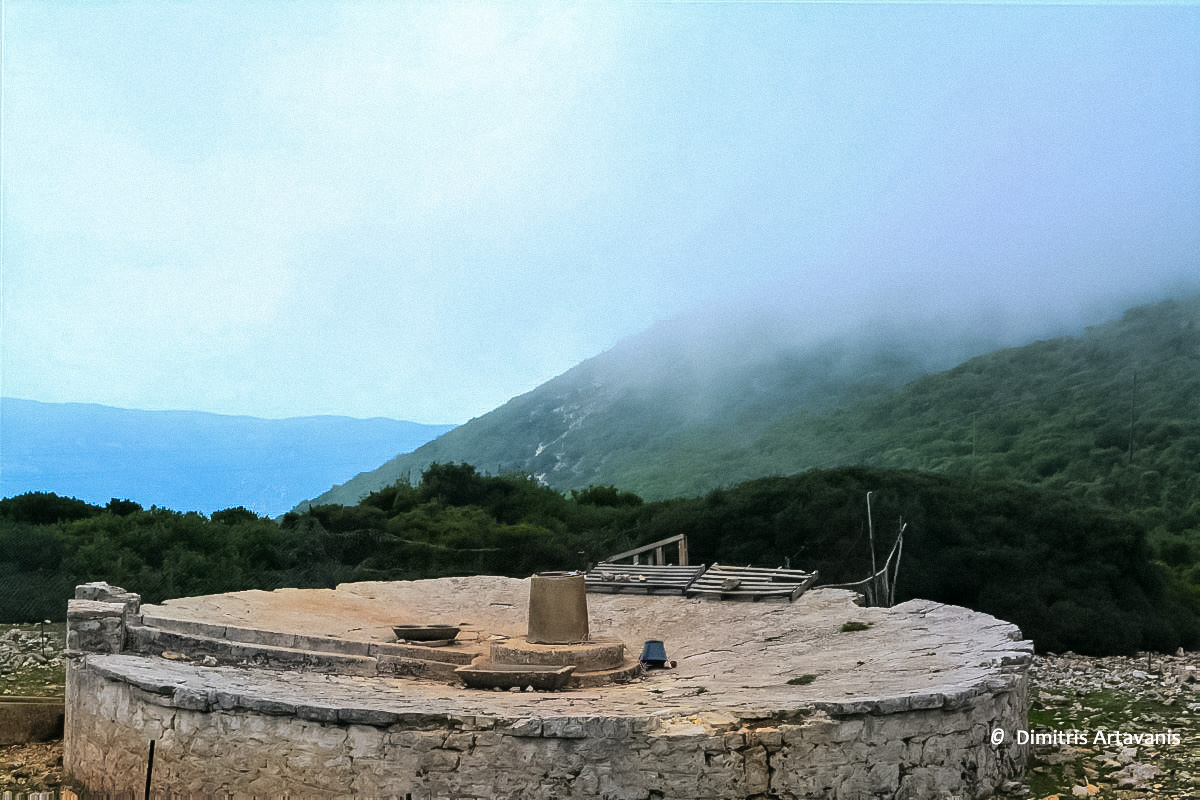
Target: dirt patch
{"points": [[34, 767]]}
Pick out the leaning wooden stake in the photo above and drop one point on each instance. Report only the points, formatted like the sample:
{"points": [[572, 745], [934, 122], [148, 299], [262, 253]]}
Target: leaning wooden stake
{"points": [[149, 768]]}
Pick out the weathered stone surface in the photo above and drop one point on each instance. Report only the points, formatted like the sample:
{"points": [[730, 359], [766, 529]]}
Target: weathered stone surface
{"points": [[95, 626], [593, 656], [107, 593], [901, 710]]}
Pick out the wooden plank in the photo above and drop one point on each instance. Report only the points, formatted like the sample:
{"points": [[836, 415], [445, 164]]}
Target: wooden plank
{"points": [[802, 588], [607, 577], [644, 569], [659, 581], [752, 582], [637, 551], [620, 588], [743, 592], [765, 572], [757, 572]]}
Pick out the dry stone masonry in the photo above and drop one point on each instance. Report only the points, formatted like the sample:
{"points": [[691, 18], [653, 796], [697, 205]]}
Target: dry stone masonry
{"points": [[302, 693]]}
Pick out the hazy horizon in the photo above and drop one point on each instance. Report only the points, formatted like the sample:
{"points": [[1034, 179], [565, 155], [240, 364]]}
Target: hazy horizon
{"points": [[418, 212]]}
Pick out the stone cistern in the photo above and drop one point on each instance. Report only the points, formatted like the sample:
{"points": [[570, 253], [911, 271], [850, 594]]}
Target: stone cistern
{"points": [[308, 693]]}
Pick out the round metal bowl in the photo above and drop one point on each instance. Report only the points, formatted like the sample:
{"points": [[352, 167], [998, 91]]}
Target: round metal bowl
{"points": [[425, 633]]}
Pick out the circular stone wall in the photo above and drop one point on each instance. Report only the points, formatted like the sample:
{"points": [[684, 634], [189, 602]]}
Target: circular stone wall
{"points": [[306, 693]]}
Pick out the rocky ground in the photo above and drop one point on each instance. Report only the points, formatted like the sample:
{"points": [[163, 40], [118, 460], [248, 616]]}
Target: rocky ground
{"points": [[31, 660], [31, 665], [1116, 699], [1130, 727]]}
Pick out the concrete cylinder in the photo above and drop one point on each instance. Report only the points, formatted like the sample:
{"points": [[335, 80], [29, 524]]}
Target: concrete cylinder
{"points": [[557, 608]]}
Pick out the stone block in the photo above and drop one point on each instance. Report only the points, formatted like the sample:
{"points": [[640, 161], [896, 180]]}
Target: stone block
{"points": [[925, 701], [608, 727], [439, 761], [191, 699], [412, 741], [263, 705], [331, 644], [317, 713], [459, 741], [487, 739], [531, 726], [414, 667], [564, 728], [255, 636], [338, 664], [364, 741], [770, 738], [187, 627], [374, 717], [98, 626], [107, 593]]}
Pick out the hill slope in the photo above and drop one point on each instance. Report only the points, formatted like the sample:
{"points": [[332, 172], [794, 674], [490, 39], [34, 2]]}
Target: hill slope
{"points": [[675, 388], [186, 459], [670, 413], [1111, 416], [652, 417]]}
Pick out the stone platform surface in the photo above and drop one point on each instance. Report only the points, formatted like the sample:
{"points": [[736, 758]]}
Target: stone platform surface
{"points": [[741, 654], [767, 698]]}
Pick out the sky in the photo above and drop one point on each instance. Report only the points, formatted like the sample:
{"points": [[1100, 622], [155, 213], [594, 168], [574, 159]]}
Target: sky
{"points": [[420, 210]]}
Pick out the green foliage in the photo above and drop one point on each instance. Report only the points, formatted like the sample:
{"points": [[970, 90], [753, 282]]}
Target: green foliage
{"points": [[345, 519], [231, 516], [122, 508], [43, 508], [453, 484], [605, 496], [513, 527]]}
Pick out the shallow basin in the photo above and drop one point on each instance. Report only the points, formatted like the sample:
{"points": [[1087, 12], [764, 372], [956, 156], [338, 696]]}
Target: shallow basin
{"points": [[429, 632], [508, 676]]}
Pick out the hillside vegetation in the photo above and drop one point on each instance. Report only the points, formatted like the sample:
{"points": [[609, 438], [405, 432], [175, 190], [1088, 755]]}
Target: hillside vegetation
{"points": [[677, 395], [1110, 417], [1072, 576]]}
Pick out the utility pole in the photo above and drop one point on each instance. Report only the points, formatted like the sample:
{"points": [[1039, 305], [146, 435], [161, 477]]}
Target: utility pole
{"points": [[871, 537], [1132, 415]]}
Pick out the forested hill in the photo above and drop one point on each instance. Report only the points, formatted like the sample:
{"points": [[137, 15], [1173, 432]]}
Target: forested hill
{"points": [[1056, 412], [1111, 416], [679, 387]]}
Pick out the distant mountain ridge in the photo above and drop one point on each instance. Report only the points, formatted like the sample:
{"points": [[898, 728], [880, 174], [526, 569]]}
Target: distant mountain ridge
{"points": [[189, 460], [653, 417]]}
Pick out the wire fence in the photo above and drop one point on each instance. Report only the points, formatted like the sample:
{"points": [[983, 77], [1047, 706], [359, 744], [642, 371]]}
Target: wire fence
{"points": [[34, 597]]}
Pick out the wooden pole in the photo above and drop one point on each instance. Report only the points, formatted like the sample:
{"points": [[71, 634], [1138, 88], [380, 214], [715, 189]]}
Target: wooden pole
{"points": [[1132, 415], [871, 537], [149, 768]]}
